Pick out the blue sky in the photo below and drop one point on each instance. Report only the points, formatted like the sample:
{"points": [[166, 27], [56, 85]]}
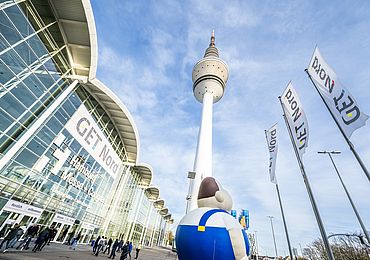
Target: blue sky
{"points": [[147, 50]]}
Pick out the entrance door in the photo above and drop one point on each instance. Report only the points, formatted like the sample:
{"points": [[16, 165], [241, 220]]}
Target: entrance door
{"points": [[63, 232], [27, 221]]}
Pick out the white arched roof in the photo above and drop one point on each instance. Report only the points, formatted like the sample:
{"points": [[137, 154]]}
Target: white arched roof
{"points": [[152, 193], [145, 171], [119, 115], [77, 27], [159, 204], [163, 212]]}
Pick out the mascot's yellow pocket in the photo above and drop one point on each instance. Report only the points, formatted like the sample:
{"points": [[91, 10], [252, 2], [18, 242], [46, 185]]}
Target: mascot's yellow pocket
{"points": [[201, 228]]}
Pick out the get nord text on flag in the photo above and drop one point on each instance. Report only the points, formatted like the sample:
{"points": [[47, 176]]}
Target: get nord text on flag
{"points": [[271, 136], [340, 102], [296, 118]]}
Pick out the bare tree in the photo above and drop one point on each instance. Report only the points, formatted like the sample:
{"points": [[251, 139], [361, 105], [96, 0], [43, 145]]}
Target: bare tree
{"points": [[344, 246]]}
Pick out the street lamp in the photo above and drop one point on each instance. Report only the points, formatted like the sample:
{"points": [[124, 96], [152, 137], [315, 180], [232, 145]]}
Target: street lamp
{"points": [[347, 193], [273, 234]]}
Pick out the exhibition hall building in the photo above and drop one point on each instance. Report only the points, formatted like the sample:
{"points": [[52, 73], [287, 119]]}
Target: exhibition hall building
{"points": [[69, 148]]}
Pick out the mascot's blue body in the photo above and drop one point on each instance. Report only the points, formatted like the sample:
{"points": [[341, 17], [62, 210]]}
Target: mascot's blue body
{"points": [[203, 234], [211, 233]]}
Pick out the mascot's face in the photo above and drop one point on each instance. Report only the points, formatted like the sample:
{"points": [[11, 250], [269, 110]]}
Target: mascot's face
{"points": [[211, 194]]}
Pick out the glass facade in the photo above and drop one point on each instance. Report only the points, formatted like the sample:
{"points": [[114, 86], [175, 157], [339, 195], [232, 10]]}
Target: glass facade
{"points": [[51, 129]]}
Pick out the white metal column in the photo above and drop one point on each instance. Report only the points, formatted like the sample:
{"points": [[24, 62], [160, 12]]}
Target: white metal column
{"points": [[116, 198], [136, 214], [143, 234], [154, 229]]}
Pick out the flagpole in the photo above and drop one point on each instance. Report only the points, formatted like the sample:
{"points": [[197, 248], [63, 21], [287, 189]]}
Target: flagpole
{"points": [[309, 191], [348, 195], [282, 211], [351, 146]]}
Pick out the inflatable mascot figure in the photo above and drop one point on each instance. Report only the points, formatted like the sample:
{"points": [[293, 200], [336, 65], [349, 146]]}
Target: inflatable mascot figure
{"points": [[210, 232]]}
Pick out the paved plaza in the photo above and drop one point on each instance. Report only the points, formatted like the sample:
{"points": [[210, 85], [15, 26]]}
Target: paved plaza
{"points": [[60, 252]]}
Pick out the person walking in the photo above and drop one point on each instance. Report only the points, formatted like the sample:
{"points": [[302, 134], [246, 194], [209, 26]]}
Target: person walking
{"points": [[129, 249], [109, 244], [101, 244], [138, 248], [120, 245], [114, 249], [124, 251], [30, 233], [9, 237], [52, 235], [42, 237], [20, 232], [47, 239], [96, 243], [75, 241]]}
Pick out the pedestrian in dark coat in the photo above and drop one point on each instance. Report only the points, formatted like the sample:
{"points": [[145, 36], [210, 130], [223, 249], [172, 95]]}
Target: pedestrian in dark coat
{"points": [[120, 245], [30, 233], [96, 243], [52, 235], [114, 249], [43, 236], [10, 236], [124, 251], [109, 244]]}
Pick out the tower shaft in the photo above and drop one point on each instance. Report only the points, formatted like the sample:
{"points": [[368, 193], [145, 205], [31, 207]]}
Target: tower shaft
{"points": [[203, 158]]}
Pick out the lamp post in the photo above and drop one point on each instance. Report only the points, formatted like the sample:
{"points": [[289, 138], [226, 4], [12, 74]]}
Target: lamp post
{"points": [[347, 193], [273, 234], [255, 235]]}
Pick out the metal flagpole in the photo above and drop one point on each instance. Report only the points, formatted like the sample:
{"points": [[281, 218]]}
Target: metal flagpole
{"points": [[309, 191], [282, 212], [285, 226], [349, 197], [351, 146], [273, 234]]}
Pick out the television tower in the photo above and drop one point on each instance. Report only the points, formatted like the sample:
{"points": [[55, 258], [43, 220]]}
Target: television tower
{"points": [[209, 77]]}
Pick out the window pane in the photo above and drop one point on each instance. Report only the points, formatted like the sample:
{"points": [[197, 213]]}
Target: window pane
{"points": [[23, 94], [5, 73], [37, 46], [11, 105], [26, 53], [11, 59], [36, 147], [69, 108], [27, 158], [34, 85], [5, 120], [44, 77], [8, 30], [17, 17]]}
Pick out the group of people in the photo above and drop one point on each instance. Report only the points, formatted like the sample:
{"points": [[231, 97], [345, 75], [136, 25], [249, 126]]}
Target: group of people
{"points": [[105, 245], [45, 236], [16, 232]]}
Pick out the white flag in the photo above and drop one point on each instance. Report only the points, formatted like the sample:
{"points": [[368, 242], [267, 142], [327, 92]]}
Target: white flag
{"points": [[271, 136], [296, 118], [340, 102]]}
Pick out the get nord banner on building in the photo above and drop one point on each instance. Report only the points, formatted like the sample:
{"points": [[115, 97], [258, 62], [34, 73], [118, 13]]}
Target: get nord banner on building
{"points": [[340, 102], [83, 127], [271, 136], [296, 118]]}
